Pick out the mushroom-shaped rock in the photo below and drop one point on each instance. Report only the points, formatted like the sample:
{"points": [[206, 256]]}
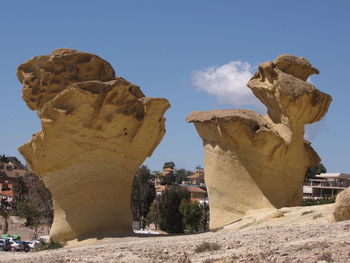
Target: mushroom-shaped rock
{"points": [[254, 161], [97, 129]]}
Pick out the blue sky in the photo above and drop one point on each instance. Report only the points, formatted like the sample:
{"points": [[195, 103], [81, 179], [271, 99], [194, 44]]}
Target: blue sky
{"points": [[163, 45]]}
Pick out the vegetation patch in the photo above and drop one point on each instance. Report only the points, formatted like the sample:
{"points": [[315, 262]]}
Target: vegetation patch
{"points": [[207, 246], [323, 201], [327, 256], [48, 246]]}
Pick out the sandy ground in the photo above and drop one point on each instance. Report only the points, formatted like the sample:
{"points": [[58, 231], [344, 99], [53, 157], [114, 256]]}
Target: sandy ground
{"points": [[300, 234]]}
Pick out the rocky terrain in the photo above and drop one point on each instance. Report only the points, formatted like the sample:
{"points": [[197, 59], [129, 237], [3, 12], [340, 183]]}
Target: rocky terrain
{"points": [[299, 234]]}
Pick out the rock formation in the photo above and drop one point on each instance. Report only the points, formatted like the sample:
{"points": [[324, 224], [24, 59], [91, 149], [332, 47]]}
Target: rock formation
{"points": [[254, 161], [342, 206], [97, 129]]}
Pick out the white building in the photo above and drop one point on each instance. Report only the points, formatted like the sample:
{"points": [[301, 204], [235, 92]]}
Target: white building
{"points": [[327, 185], [11, 170]]}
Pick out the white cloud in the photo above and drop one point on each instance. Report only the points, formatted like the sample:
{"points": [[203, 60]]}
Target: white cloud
{"points": [[228, 83]]}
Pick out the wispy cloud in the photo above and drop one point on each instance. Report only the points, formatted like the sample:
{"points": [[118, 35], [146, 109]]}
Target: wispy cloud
{"points": [[228, 83], [312, 130]]}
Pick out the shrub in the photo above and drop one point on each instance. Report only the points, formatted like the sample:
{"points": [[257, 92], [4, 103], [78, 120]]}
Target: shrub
{"points": [[311, 201], [48, 246], [327, 256], [207, 246]]}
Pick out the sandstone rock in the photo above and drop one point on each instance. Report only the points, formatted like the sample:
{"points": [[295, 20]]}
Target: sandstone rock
{"points": [[254, 161], [342, 206], [97, 129]]}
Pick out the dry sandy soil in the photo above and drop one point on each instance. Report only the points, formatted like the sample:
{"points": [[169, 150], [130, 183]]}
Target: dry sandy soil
{"points": [[299, 234]]}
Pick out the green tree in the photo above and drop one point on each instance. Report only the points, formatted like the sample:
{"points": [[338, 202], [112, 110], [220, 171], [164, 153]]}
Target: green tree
{"points": [[204, 223], [40, 198], [153, 215], [142, 195], [181, 175], [169, 178], [169, 165], [167, 208], [3, 158], [31, 213], [191, 215], [6, 210], [313, 171], [20, 190], [32, 200]]}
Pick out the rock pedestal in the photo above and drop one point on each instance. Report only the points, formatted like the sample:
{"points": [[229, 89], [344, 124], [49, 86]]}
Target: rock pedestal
{"points": [[254, 161], [97, 129]]}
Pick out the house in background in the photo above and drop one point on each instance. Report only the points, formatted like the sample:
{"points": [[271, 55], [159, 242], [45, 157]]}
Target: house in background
{"points": [[6, 190], [326, 185], [194, 184], [197, 178], [164, 177], [12, 170], [167, 171], [197, 194]]}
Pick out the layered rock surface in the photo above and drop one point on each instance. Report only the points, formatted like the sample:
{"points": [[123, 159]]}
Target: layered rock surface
{"points": [[96, 131], [254, 161]]}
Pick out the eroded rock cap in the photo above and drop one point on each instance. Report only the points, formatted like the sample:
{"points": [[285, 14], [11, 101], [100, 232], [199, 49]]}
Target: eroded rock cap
{"points": [[43, 77]]}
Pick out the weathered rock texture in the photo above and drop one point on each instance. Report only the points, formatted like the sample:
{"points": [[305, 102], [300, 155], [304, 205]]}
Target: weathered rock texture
{"points": [[254, 161], [96, 130], [342, 206]]}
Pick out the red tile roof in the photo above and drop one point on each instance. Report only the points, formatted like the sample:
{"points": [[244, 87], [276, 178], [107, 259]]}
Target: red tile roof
{"points": [[195, 176], [192, 189], [7, 193], [195, 189]]}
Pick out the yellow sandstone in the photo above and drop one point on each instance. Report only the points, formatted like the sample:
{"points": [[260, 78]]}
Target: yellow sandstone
{"points": [[258, 162], [97, 129]]}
